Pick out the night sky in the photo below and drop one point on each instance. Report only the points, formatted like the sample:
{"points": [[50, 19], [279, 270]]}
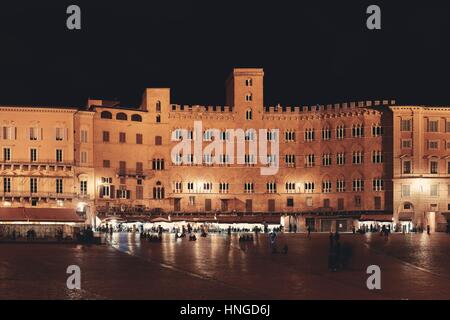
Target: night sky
{"points": [[312, 51]]}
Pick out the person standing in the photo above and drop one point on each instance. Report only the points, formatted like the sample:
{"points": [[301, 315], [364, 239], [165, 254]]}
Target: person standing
{"points": [[309, 232]]}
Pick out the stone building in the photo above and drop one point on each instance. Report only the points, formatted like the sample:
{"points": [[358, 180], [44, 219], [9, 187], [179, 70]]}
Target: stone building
{"points": [[421, 177], [335, 163]]}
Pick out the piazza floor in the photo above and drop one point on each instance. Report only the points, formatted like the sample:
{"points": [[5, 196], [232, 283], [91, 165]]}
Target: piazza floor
{"points": [[413, 266]]}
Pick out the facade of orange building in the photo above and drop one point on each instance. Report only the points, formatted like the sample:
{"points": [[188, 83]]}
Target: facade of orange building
{"points": [[335, 161], [421, 166]]}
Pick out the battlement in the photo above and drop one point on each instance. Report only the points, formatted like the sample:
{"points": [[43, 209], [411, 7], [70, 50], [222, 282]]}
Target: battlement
{"points": [[329, 107], [198, 108], [286, 109]]}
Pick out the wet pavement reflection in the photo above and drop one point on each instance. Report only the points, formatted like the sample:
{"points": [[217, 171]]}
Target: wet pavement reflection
{"points": [[413, 266]]}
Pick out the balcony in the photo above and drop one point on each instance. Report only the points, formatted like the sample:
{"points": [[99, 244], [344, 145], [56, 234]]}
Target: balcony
{"points": [[27, 165], [142, 174]]}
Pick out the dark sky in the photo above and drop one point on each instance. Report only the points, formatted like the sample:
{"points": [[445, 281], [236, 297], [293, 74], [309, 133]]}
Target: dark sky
{"points": [[312, 51]]}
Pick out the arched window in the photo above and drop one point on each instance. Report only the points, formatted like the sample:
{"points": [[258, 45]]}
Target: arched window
{"points": [[136, 117], [249, 115], [106, 115], [158, 106], [121, 116], [158, 191]]}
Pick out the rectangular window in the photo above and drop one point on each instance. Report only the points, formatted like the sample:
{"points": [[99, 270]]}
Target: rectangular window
{"points": [[139, 192], [59, 155], [84, 157], [407, 167], [447, 126], [138, 138], [83, 187], [59, 185], [84, 136], [105, 136], [59, 134], [7, 185], [434, 190], [106, 164], [434, 167], [192, 200], [33, 185], [33, 155], [122, 167], [290, 202], [433, 144], [208, 205], [33, 133], [309, 201], [406, 143], [433, 125], [406, 190], [139, 167], [158, 140], [6, 154], [122, 137], [406, 125]]}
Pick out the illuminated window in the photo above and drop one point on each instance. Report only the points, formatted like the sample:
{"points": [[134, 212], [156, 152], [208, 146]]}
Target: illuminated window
{"points": [[290, 187], [309, 187], [326, 186]]}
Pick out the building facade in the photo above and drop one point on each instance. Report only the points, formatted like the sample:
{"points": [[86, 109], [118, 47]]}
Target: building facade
{"points": [[421, 166], [335, 163]]}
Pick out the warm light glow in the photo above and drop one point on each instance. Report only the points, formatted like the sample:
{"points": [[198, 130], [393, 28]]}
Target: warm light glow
{"points": [[6, 203], [420, 185]]}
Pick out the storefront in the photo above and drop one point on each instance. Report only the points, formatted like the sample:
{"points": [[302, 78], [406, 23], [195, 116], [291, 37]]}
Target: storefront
{"points": [[42, 223], [375, 222]]}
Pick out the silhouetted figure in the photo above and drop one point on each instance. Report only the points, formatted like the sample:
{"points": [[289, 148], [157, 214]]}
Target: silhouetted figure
{"points": [[309, 232]]}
